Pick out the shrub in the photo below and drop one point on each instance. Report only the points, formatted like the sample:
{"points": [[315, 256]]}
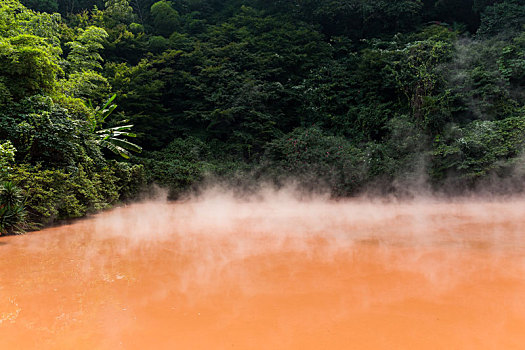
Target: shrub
{"points": [[479, 149], [58, 194], [312, 157], [13, 216], [131, 179], [7, 156]]}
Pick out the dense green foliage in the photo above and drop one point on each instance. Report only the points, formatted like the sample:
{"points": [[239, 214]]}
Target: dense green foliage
{"points": [[340, 94], [50, 157]]}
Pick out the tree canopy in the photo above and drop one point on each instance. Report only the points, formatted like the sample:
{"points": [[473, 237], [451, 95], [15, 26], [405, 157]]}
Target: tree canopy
{"points": [[351, 93]]}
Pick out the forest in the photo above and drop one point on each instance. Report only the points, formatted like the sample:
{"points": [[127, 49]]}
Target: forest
{"points": [[99, 99]]}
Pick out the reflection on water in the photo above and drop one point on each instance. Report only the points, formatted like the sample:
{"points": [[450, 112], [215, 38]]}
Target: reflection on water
{"points": [[276, 273]]}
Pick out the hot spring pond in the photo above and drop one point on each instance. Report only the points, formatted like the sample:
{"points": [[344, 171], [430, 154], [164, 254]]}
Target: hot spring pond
{"points": [[275, 273]]}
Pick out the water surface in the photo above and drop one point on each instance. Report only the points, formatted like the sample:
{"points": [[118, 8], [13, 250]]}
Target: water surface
{"points": [[274, 273]]}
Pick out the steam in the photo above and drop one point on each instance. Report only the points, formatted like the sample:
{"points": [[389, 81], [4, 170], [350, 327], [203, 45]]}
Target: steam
{"points": [[219, 229], [235, 227], [131, 273]]}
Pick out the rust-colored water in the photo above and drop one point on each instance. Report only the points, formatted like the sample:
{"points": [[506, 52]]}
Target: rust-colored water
{"points": [[272, 274]]}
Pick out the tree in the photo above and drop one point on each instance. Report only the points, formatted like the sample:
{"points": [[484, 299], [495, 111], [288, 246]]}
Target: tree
{"points": [[84, 54], [165, 18], [415, 69], [28, 65], [503, 18], [118, 11], [479, 149], [42, 5], [86, 85]]}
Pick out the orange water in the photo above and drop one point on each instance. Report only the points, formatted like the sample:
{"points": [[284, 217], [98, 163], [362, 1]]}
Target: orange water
{"points": [[271, 274]]}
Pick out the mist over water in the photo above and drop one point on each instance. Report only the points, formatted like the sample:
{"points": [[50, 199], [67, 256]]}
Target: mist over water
{"points": [[271, 271]]}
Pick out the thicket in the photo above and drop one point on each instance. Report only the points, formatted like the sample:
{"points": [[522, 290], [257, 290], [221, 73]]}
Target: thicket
{"points": [[52, 163], [344, 94]]}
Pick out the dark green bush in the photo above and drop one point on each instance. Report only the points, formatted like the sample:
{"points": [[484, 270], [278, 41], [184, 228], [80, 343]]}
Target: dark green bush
{"points": [[315, 158]]}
